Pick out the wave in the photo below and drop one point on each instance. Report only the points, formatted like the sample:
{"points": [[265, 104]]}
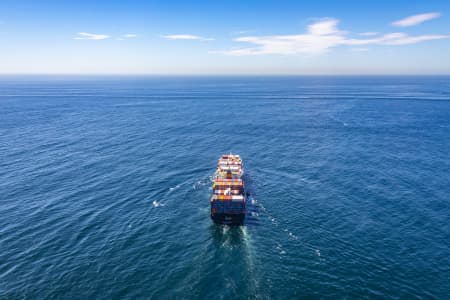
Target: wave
{"points": [[157, 204]]}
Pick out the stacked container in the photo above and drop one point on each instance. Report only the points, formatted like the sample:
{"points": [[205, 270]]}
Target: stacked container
{"points": [[228, 199]]}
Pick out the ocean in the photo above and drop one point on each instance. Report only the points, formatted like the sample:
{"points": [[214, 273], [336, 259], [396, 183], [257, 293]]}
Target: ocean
{"points": [[105, 185]]}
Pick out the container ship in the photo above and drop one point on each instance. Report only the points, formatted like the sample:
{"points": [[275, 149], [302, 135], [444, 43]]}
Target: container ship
{"points": [[229, 194]]}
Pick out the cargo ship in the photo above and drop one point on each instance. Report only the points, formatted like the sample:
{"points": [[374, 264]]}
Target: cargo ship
{"points": [[229, 194]]}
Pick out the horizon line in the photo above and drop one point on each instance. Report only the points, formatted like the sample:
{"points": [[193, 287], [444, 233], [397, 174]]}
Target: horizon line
{"points": [[222, 74]]}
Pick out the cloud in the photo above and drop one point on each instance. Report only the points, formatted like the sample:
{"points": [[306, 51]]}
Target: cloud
{"points": [[396, 38], [240, 32], [321, 37], [406, 40], [360, 49], [90, 36], [186, 37], [369, 33], [325, 27], [416, 19], [129, 35]]}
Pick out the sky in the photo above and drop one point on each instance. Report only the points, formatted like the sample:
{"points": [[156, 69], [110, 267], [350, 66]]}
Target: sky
{"points": [[246, 37]]}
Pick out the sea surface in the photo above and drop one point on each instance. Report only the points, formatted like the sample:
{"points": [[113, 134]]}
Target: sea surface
{"points": [[105, 185]]}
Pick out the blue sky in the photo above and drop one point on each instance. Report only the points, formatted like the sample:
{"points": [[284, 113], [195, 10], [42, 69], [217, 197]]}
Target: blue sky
{"points": [[225, 37]]}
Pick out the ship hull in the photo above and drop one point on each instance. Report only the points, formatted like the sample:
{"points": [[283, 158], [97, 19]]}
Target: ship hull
{"points": [[228, 219], [228, 212]]}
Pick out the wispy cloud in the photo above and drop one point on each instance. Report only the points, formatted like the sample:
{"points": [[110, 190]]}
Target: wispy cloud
{"points": [[320, 37], [360, 49], [396, 38], [369, 33], [416, 19], [240, 32], [186, 37], [129, 35], [90, 36]]}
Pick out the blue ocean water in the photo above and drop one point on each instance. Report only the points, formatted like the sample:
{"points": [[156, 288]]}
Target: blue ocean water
{"points": [[105, 186]]}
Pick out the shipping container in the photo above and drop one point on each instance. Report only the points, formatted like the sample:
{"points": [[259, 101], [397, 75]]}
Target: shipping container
{"points": [[228, 199]]}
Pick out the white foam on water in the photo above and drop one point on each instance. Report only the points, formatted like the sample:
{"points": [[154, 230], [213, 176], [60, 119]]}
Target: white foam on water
{"points": [[307, 180], [200, 183], [157, 204], [280, 249], [245, 233], [204, 209], [318, 252], [175, 187], [276, 224], [225, 229], [293, 236], [249, 258]]}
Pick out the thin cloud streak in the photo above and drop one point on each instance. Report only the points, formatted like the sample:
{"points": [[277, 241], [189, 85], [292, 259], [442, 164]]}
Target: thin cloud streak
{"points": [[186, 37], [416, 19], [320, 38], [360, 49], [396, 38], [91, 36], [241, 32], [370, 33]]}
